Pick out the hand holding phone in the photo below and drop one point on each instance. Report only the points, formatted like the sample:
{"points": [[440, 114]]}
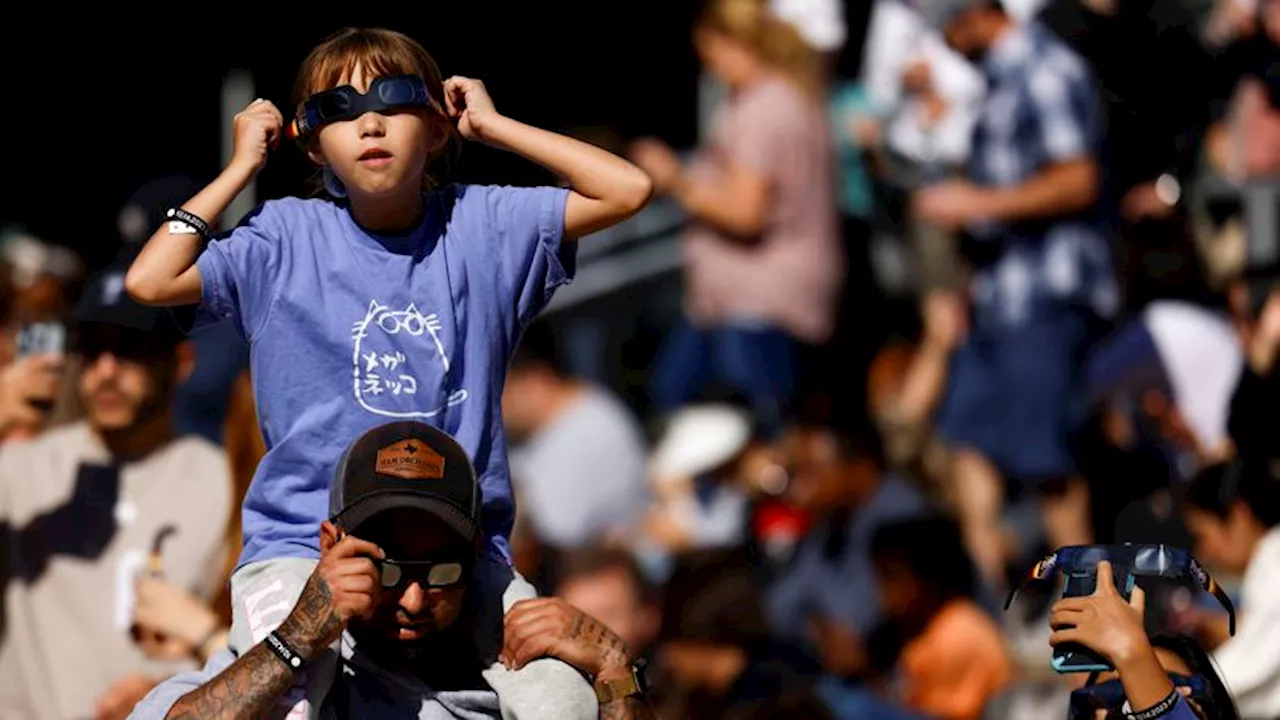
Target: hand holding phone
{"points": [[28, 391], [42, 340], [1099, 630]]}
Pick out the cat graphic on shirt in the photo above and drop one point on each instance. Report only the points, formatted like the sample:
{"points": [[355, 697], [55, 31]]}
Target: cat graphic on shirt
{"points": [[398, 357]]}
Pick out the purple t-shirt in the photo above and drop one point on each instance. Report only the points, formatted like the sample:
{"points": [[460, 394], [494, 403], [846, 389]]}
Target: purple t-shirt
{"points": [[349, 330]]}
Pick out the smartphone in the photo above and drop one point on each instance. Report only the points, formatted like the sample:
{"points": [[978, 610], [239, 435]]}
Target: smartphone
{"points": [[42, 338], [1074, 658]]}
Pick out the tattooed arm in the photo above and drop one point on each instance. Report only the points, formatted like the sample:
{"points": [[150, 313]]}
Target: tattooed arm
{"points": [[253, 684], [551, 627]]}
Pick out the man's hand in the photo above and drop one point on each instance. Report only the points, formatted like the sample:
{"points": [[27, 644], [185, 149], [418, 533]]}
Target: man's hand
{"points": [[118, 701], [951, 205], [24, 383], [946, 320], [917, 76], [165, 610], [551, 627], [344, 585]]}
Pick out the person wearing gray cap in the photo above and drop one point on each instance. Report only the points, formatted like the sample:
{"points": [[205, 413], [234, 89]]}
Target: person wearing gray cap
{"points": [[1042, 277]]}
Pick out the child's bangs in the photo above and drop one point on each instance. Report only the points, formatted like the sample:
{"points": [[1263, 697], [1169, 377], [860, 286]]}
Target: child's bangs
{"points": [[374, 54]]}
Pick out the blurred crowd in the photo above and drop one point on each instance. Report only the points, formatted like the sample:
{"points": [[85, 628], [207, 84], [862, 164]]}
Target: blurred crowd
{"points": [[1002, 278]]}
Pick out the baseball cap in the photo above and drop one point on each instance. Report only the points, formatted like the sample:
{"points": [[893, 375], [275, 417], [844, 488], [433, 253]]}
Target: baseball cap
{"points": [[407, 465], [105, 303], [699, 439]]}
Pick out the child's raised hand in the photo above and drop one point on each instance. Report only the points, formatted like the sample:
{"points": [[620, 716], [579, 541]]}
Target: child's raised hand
{"points": [[468, 101], [1103, 622], [257, 128]]}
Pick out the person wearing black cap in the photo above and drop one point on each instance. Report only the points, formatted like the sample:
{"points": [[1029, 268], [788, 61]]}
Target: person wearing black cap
{"points": [[81, 508], [403, 588]]}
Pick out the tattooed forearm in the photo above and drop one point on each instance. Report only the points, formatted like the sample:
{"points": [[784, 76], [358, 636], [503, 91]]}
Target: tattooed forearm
{"points": [[629, 708], [613, 651], [248, 689], [255, 682], [314, 623]]}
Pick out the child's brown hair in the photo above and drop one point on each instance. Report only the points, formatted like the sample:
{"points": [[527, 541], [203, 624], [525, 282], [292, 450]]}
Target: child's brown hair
{"points": [[378, 53]]}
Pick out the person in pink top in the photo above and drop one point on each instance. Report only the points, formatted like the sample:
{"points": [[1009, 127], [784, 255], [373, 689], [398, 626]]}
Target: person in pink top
{"points": [[763, 261]]}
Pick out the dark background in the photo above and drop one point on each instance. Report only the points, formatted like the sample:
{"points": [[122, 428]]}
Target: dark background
{"points": [[95, 109]]}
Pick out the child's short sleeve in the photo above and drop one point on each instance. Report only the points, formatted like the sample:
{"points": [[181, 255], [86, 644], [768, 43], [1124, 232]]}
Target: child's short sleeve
{"points": [[240, 272], [528, 225]]}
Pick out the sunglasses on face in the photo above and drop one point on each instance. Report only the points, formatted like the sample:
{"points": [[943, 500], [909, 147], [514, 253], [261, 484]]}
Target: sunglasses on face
{"points": [[1136, 560], [346, 103], [124, 345], [398, 574]]}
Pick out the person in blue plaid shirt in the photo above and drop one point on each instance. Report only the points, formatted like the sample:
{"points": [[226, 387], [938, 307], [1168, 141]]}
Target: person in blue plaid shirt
{"points": [[1042, 274]]}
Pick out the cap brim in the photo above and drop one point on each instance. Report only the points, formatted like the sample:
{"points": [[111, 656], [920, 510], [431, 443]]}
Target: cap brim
{"points": [[359, 512], [700, 439]]}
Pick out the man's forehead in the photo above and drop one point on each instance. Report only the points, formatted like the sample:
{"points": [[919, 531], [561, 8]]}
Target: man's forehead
{"points": [[408, 530]]}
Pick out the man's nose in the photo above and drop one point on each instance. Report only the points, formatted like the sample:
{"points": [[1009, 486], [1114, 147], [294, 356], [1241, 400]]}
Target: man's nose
{"points": [[106, 365], [413, 599]]}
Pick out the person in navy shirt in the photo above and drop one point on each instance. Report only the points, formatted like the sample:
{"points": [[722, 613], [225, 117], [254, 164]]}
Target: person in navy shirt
{"points": [[386, 298]]}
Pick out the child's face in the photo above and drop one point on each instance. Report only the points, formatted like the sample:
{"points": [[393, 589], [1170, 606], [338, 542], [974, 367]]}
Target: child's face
{"points": [[380, 155]]}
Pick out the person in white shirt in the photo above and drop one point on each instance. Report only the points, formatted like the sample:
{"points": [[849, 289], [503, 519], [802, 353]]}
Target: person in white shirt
{"points": [[926, 95], [1233, 511], [579, 459], [89, 508]]}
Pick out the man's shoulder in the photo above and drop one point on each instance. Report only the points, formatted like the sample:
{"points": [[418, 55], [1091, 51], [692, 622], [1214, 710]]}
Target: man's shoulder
{"points": [[202, 463], [1051, 56], [899, 496], [196, 448], [54, 442], [607, 413]]}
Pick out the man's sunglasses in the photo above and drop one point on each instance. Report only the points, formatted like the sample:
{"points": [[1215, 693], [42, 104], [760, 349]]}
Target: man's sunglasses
{"points": [[427, 573], [346, 103], [1136, 560], [126, 345]]}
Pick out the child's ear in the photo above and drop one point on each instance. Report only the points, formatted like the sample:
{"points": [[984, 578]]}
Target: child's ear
{"points": [[313, 152], [441, 130]]}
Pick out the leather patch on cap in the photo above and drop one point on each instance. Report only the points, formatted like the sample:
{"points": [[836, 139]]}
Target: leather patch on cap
{"points": [[410, 460]]}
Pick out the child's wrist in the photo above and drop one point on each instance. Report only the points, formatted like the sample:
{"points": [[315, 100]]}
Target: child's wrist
{"points": [[490, 129], [239, 172]]}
